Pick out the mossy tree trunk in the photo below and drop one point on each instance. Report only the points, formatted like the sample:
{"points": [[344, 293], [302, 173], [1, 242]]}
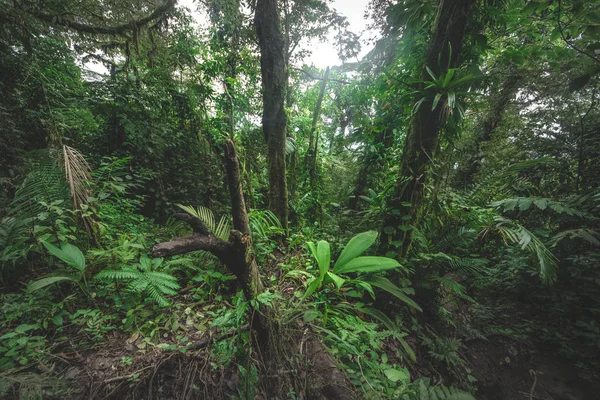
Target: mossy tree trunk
{"points": [[274, 82], [444, 49]]}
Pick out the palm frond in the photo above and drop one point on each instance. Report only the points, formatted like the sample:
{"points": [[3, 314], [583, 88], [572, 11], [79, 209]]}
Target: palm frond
{"points": [[263, 224], [77, 173], [541, 203], [513, 232], [207, 217]]}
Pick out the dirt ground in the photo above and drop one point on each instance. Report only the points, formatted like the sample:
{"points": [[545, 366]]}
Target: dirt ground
{"points": [[507, 371]]}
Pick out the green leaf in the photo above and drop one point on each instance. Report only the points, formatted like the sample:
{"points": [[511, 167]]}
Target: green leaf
{"points": [[41, 283], [367, 264], [26, 327], [525, 204], [337, 280], [448, 77], [436, 100], [310, 316], [542, 203], [388, 286], [384, 319], [396, 375], [355, 247], [68, 253], [430, 72], [312, 287], [323, 257], [451, 99]]}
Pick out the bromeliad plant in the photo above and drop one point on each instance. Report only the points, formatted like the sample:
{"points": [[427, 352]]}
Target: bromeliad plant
{"points": [[350, 261]]}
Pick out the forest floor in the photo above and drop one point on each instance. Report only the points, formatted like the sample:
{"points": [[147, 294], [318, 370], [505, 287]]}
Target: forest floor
{"points": [[509, 370], [505, 370]]}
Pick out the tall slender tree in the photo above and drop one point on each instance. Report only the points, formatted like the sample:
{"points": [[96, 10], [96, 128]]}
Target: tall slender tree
{"points": [[425, 125], [272, 67]]}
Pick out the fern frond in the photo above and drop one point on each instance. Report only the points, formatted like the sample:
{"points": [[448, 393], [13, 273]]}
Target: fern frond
{"points": [[118, 275], [157, 296]]}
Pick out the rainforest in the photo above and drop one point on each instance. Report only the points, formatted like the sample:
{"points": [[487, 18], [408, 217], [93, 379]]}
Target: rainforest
{"points": [[300, 199]]}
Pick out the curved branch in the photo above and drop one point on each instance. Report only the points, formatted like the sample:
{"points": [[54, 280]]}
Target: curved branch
{"points": [[195, 242], [105, 30]]}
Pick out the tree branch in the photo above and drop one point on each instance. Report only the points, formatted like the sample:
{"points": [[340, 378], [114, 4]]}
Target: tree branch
{"points": [[194, 242], [106, 30], [238, 205], [316, 78]]}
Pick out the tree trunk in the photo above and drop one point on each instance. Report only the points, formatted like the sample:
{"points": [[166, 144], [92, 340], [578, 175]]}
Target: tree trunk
{"points": [[272, 66], [237, 253], [444, 49], [498, 103], [313, 145], [372, 161]]}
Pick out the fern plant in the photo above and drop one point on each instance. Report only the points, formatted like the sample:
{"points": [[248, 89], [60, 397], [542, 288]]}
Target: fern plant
{"points": [[147, 277]]}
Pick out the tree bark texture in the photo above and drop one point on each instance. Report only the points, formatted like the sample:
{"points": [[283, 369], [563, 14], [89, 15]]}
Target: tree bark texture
{"points": [[236, 253], [443, 53], [313, 145], [372, 162], [272, 67], [499, 101]]}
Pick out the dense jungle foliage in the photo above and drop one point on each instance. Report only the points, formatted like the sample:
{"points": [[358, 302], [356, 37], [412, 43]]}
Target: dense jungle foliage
{"points": [[190, 209]]}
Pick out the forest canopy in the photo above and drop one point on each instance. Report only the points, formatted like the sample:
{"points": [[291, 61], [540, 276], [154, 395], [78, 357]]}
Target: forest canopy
{"points": [[191, 208]]}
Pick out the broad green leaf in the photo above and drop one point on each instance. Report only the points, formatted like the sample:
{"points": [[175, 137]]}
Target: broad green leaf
{"points": [[337, 280], [323, 257], [355, 247], [312, 287], [310, 316], [367, 264], [26, 327], [41, 283], [388, 286], [68, 253], [396, 375], [542, 203], [525, 204]]}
